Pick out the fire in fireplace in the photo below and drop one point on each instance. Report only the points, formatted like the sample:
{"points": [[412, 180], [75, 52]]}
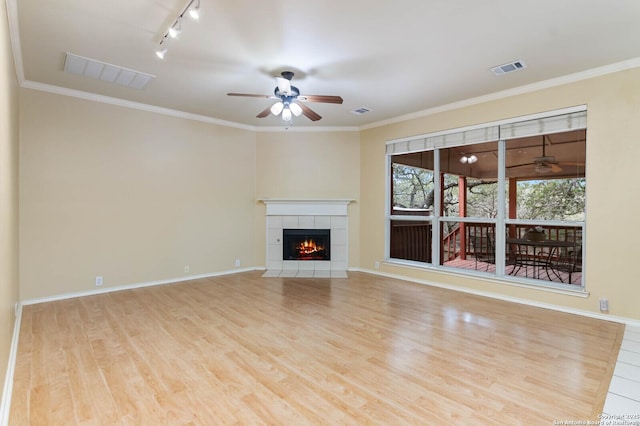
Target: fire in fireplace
{"points": [[306, 244]]}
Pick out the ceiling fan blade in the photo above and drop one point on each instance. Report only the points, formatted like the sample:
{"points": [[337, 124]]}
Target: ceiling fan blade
{"points": [[309, 113], [328, 99], [264, 112], [570, 163], [520, 165], [251, 95]]}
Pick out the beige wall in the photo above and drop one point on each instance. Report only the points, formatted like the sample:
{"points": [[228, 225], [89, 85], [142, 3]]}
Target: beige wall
{"points": [[135, 196], [613, 200], [8, 193], [308, 165], [128, 195]]}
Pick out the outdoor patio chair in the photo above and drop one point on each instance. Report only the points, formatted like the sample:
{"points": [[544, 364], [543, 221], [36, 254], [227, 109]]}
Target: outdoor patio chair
{"points": [[568, 261], [484, 249]]}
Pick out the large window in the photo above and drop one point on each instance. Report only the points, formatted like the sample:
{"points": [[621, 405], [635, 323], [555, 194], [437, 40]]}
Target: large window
{"points": [[505, 201]]}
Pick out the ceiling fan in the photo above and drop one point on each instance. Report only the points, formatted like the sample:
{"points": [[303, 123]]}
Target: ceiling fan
{"points": [[545, 164], [290, 102]]}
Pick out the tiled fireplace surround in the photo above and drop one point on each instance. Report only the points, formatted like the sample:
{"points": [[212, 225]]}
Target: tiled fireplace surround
{"points": [[307, 214]]}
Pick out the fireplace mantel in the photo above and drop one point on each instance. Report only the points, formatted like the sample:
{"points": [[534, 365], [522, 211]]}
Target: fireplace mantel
{"points": [[289, 213], [306, 207]]}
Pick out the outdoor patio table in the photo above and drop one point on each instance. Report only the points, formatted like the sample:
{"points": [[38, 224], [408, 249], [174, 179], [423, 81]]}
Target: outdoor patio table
{"points": [[536, 254]]}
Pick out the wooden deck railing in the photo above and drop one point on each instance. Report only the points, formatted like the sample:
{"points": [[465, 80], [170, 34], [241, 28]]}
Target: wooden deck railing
{"points": [[411, 240]]}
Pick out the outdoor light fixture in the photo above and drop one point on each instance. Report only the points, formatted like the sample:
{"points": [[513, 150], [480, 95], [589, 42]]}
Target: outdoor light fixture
{"points": [[468, 159], [543, 168], [193, 7]]}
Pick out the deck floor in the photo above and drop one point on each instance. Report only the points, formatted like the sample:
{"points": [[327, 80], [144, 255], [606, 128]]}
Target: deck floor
{"points": [[522, 272]]}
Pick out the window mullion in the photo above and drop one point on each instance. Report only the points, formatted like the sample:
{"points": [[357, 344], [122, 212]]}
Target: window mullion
{"points": [[500, 224], [437, 209]]}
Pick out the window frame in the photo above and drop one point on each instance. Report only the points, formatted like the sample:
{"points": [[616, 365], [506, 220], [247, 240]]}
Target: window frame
{"points": [[507, 130]]}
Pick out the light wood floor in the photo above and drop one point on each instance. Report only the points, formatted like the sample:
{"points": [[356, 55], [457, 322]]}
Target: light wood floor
{"points": [[241, 349]]}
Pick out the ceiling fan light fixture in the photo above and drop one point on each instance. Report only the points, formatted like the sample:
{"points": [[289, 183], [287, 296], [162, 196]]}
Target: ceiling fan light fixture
{"points": [[277, 108], [286, 114], [295, 109]]}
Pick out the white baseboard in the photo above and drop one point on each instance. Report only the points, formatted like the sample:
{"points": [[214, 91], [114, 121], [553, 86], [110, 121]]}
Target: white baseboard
{"points": [[132, 286], [498, 296], [5, 405]]}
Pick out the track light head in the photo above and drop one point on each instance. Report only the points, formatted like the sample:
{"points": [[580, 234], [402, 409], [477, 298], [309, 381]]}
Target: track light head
{"points": [[175, 29], [161, 51], [194, 12]]}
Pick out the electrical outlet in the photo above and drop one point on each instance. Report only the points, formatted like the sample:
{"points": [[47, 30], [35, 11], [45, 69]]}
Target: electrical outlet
{"points": [[237, 262], [604, 305], [186, 269], [377, 265], [98, 281]]}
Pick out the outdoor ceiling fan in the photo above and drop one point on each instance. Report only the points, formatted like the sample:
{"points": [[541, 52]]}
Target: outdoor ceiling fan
{"points": [[545, 164], [289, 101]]}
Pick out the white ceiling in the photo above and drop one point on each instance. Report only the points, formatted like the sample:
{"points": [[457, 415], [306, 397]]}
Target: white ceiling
{"points": [[395, 58]]}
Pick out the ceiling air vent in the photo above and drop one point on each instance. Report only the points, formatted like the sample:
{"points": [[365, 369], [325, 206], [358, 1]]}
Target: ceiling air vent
{"points": [[361, 110], [510, 67], [79, 65]]}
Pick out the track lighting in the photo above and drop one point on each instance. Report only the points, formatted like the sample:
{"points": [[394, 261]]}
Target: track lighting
{"points": [[193, 7]]}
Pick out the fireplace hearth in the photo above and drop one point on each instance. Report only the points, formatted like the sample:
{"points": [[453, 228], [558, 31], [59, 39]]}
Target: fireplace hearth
{"points": [[306, 244]]}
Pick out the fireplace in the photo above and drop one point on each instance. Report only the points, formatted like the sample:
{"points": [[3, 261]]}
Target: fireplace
{"points": [[306, 244], [307, 218]]}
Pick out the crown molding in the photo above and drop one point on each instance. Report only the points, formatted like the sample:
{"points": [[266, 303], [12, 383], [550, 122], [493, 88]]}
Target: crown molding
{"points": [[14, 37], [49, 88], [308, 129]]}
